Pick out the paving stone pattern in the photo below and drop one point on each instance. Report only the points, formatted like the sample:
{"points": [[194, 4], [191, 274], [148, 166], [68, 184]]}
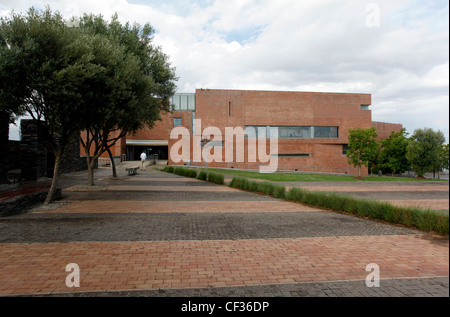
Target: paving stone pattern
{"points": [[134, 236]]}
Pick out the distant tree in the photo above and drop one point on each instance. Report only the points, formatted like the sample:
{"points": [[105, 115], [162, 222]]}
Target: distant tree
{"points": [[423, 150], [393, 152], [362, 147], [443, 162], [46, 69]]}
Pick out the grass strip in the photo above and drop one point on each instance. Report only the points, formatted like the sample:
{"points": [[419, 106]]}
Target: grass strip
{"points": [[303, 177], [411, 217]]}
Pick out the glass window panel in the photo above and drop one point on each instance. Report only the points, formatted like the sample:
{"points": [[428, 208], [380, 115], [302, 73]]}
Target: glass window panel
{"points": [[183, 102], [191, 102], [250, 132], [177, 122], [294, 132], [325, 132], [273, 132], [261, 132]]}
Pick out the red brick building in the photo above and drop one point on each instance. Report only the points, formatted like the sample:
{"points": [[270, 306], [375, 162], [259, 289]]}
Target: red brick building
{"points": [[312, 128]]}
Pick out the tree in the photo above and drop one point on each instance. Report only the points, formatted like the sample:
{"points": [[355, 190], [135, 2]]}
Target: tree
{"points": [[443, 159], [423, 150], [55, 70], [137, 89], [362, 147], [393, 152]]}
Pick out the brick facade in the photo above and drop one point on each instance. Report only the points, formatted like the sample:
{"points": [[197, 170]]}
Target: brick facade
{"points": [[241, 108]]}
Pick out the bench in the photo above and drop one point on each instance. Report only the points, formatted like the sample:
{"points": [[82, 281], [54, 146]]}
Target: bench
{"points": [[132, 170]]}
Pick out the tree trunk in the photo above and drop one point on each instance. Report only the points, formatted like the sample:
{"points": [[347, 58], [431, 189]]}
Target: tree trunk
{"points": [[113, 164], [91, 172], [359, 165], [54, 185]]}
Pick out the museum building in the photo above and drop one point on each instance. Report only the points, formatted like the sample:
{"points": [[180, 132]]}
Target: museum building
{"points": [[312, 129]]}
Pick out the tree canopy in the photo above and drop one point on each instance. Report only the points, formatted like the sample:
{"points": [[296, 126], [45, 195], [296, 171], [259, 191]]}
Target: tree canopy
{"points": [[424, 150], [362, 147], [136, 89], [96, 77], [393, 152]]}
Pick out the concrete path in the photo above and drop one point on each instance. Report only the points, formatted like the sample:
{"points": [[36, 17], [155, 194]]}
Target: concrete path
{"points": [[158, 234]]}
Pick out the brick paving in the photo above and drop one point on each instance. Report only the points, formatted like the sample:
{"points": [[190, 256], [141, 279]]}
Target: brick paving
{"points": [[130, 237]]}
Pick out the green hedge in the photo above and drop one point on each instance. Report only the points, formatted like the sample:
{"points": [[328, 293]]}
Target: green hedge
{"points": [[203, 175], [411, 217], [185, 172], [215, 178], [267, 188], [168, 169]]}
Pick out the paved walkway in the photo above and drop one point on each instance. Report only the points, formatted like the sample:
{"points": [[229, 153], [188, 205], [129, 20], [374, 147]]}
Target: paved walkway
{"points": [[158, 234]]}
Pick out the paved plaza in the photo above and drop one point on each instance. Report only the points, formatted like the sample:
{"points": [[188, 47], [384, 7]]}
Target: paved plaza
{"points": [[159, 234]]}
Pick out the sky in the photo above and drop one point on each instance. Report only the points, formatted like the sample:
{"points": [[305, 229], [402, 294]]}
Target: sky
{"points": [[397, 51]]}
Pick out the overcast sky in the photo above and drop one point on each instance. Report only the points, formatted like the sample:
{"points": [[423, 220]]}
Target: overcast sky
{"points": [[398, 51]]}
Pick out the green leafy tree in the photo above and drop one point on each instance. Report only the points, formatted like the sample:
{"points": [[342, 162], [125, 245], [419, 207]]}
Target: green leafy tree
{"points": [[138, 86], [443, 162], [423, 150], [393, 152], [47, 69], [362, 147]]}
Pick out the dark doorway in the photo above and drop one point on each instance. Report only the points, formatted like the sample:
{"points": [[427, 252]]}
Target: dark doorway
{"points": [[134, 152]]}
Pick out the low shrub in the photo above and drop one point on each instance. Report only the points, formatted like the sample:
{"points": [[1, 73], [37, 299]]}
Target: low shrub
{"points": [[216, 178], [411, 217], [202, 176], [184, 172], [280, 191], [179, 171], [190, 173], [168, 169]]}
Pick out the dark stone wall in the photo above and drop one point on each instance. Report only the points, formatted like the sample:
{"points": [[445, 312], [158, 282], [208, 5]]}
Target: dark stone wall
{"points": [[72, 162], [35, 159], [4, 147], [33, 151], [14, 156]]}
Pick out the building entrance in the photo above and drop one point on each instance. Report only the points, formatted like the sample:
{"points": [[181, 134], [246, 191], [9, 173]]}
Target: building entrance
{"points": [[134, 152]]}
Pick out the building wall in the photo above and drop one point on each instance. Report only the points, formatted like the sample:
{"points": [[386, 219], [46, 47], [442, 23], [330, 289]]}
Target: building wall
{"points": [[240, 108], [384, 129], [234, 108]]}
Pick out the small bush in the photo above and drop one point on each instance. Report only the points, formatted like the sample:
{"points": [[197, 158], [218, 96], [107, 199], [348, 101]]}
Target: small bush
{"points": [[202, 176], [191, 173], [216, 178], [183, 172], [179, 171], [168, 169], [280, 191]]}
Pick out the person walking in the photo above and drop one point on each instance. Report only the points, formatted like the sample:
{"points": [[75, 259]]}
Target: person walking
{"points": [[143, 160]]}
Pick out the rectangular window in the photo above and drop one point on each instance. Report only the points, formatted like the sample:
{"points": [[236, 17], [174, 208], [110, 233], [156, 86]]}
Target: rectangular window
{"points": [[211, 143], [177, 122], [345, 148], [255, 131], [294, 132], [293, 155], [325, 132], [184, 101]]}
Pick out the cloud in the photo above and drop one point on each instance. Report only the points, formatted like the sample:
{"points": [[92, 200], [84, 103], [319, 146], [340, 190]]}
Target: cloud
{"points": [[322, 45]]}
